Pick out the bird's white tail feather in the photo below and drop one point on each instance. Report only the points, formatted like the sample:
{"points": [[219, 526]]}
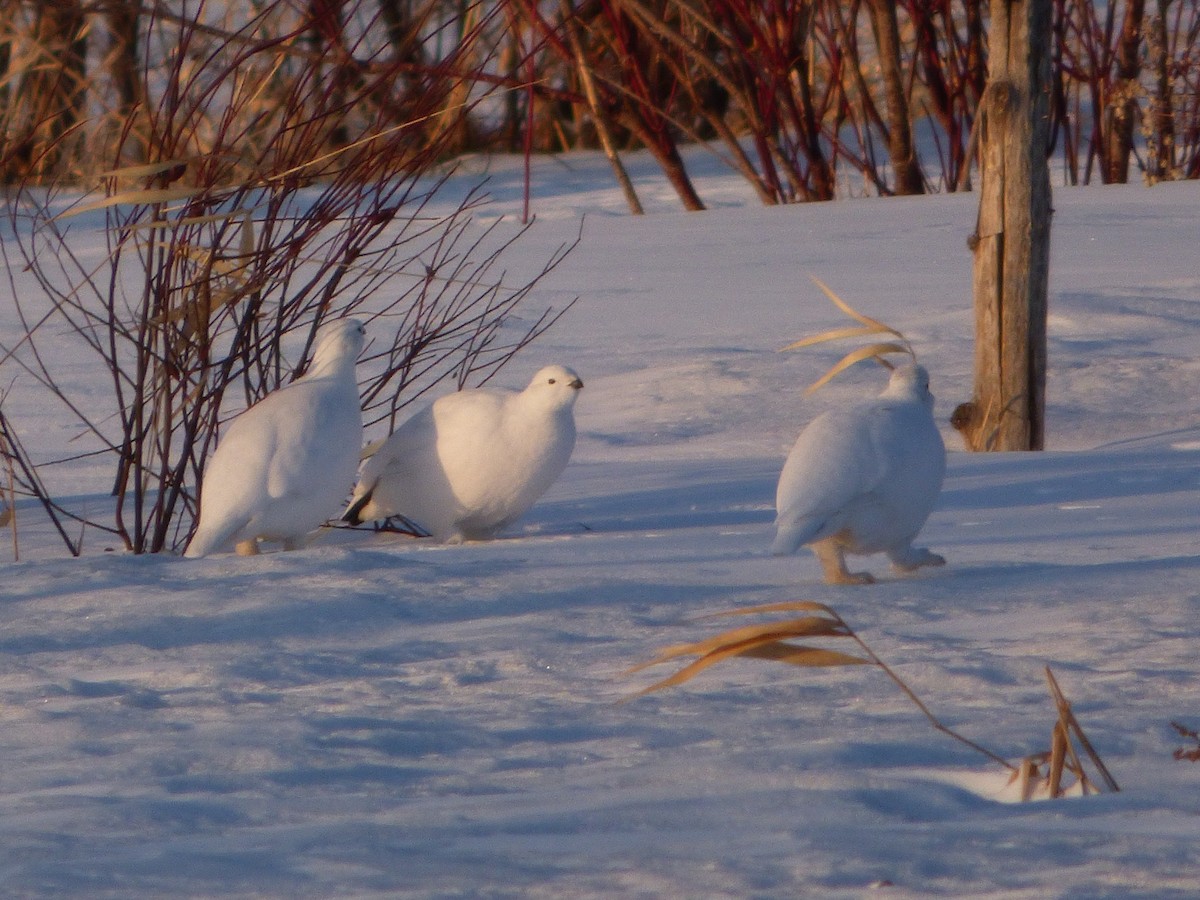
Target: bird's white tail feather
{"points": [[790, 536]]}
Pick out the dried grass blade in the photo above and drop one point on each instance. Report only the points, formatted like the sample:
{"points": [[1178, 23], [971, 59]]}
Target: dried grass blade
{"points": [[247, 235], [192, 220], [1070, 722], [834, 334], [855, 356], [716, 655], [1058, 756], [809, 626], [853, 313], [797, 655], [147, 196], [144, 170], [1025, 778]]}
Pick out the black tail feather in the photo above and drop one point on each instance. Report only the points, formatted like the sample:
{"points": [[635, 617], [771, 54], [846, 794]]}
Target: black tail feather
{"points": [[352, 514]]}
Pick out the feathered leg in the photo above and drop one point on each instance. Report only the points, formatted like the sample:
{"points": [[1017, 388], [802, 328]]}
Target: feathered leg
{"points": [[833, 560], [248, 547], [204, 541]]}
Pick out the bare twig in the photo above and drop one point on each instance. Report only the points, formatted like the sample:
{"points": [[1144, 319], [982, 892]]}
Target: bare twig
{"points": [[17, 461]]}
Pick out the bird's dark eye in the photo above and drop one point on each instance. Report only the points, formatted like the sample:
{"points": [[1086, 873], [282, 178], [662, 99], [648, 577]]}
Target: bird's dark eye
{"points": [[552, 381]]}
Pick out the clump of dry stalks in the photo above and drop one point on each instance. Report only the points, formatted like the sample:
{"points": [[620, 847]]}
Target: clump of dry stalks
{"points": [[867, 326], [1058, 772]]}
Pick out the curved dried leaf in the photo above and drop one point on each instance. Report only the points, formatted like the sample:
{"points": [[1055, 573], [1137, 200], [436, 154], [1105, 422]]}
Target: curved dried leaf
{"points": [[805, 627], [797, 655], [694, 668], [193, 220], [146, 196], [853, 313], [760, 647], [809, 626], [834, 334], [855, 356], [144, 170]]}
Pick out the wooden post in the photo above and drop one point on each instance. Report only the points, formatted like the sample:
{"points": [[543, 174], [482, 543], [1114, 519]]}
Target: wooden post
{"points": [[1012, 240]]}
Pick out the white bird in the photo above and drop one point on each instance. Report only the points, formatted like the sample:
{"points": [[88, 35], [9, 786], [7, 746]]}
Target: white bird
{"points": [[285, 464], [863, 479], [474, 461]]}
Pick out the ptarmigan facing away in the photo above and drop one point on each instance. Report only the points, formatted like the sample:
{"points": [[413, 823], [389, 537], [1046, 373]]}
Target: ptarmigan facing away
{"points": [[863, 479], [284, 465], [474, 461]]}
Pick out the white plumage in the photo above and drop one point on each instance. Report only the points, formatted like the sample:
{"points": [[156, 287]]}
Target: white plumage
{"points": [[863, 479], [285, 464], [474, 461]]}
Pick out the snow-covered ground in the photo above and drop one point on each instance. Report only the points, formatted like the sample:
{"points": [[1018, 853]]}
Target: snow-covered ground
{"points": [[378, 716]]}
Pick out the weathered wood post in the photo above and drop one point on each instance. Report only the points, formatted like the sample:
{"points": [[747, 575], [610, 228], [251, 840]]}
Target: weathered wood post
{"points": [[1012, 239]]}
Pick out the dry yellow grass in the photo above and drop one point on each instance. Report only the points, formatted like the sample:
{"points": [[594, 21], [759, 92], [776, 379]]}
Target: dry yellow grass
{"points": [[1058, 772], [867, 326]]}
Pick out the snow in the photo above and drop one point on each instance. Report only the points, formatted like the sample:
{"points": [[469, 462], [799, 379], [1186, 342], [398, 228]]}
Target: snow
{"points": [[382, 717]]}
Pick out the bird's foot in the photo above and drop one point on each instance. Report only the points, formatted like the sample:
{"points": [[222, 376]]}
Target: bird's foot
{"points": [[850, 578], [913, 558], [248, 547], [833, 562]]}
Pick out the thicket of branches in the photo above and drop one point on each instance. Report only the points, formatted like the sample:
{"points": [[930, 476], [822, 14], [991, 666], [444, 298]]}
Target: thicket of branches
{"points": [[808, 99], [254, 189], [264, 165]]}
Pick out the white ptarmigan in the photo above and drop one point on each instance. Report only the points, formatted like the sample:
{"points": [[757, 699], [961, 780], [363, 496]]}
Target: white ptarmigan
{"points": [[474, 461], [285, 464], [863, 479]]}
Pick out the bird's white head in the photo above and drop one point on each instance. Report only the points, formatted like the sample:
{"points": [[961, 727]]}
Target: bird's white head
{"points": [[338, 345], [555, 386], [910, 382]]}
